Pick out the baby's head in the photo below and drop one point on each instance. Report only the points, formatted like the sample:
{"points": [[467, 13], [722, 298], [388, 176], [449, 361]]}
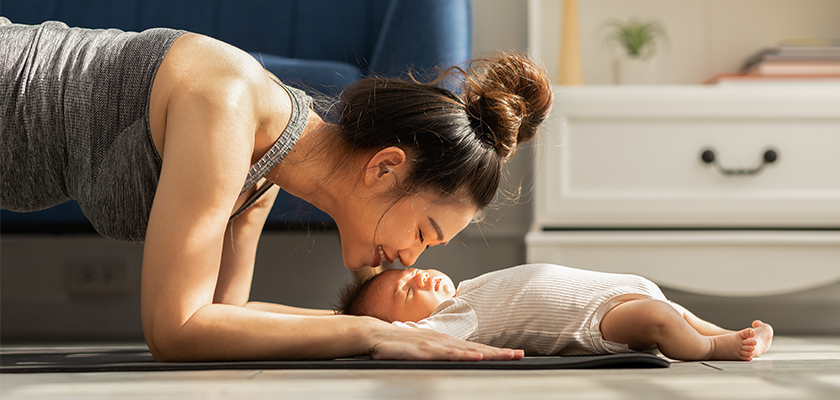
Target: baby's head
{"points": [[398, 295]]}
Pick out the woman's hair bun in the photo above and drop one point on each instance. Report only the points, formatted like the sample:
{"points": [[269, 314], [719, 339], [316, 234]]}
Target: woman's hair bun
{"points": [[506, 97]]}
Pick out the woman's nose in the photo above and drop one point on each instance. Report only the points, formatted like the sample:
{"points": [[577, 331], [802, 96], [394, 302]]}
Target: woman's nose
{"points": [[409, 256]]}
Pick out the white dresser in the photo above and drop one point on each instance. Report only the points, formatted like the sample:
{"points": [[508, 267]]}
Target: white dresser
{"points": [[719, 190]]}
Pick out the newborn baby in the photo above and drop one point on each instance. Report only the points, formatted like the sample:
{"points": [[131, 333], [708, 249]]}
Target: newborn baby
{"points": [[548, 309]]}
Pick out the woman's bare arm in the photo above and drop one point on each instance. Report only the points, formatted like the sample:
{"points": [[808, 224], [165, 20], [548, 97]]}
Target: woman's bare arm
{"points": [[240, 251], [238, 257], [284, 309]]}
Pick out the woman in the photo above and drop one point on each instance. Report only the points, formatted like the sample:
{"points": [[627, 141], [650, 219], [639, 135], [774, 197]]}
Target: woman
{"points": [[182, 142]]}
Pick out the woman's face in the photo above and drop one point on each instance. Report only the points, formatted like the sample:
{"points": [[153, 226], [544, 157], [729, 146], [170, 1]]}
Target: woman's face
{"points": [[402, 230]]}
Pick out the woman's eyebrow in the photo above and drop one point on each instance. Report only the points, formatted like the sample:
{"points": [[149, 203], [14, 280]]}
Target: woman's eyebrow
{"points": [[437, 230]]}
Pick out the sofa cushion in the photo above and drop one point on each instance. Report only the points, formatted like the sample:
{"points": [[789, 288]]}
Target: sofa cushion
{"points": [[310, 75]]}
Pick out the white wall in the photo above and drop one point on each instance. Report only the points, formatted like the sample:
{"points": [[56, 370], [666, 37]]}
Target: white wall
{"points": [[499, 25], [706, 37]]}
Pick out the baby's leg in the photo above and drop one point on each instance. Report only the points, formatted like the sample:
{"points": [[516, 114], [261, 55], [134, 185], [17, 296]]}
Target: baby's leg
{"points": [[763, 331], [702, 326], [642, 324]]}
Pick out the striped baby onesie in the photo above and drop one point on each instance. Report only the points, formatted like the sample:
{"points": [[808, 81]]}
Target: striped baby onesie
{"points": [[543, 309]]}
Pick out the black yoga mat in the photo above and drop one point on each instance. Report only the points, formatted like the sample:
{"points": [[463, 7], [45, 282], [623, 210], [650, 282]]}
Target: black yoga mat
{"points": [[139, 359]]}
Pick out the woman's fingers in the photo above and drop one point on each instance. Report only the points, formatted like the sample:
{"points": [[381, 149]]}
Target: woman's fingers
{"points": [[509, 354], [423, 344], [491, 353]]}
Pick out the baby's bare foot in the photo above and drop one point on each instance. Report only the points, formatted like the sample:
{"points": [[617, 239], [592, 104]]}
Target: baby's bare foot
{"points": [[735, 346], [763, 336]]}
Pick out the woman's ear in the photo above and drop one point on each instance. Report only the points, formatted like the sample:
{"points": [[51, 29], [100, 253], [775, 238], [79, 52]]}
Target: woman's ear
{"points": [[390, 160]]}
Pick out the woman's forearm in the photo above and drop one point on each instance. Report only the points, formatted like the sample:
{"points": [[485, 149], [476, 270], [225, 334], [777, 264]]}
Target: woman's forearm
{"points": [[240, 250], [283, 309], [226, 332]]}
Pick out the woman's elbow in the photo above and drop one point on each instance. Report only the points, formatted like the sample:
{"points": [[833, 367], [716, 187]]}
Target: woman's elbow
{"points": [[165, 342], [160, 345]]}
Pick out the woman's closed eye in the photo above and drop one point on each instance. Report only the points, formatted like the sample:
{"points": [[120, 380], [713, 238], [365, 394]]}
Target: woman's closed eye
{"points": [[422, 240]]}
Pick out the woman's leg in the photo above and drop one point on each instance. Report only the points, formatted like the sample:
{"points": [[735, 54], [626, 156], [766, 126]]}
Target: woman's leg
{"points": [[642, 324]]}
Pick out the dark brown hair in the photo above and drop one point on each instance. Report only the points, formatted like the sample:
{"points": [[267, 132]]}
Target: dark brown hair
{"points": [[352, 299], [457, 144]]}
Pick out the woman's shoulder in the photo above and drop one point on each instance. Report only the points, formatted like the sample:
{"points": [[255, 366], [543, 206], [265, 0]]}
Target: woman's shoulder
{"points": [[202, 70], [200, 64], [201, 77]]}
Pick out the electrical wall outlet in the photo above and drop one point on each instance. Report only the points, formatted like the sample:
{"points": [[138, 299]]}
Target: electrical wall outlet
{"points": [[96, 277]]}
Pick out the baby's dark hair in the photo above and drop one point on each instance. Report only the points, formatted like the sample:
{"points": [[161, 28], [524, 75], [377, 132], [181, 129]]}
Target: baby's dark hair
{"points": [[352, 298]]}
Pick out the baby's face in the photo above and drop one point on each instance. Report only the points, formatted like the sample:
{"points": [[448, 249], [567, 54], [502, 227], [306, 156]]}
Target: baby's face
{"points": [[409, 294]]}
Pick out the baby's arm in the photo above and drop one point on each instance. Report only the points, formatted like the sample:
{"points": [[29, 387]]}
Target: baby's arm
{"points": [[455, 318]]}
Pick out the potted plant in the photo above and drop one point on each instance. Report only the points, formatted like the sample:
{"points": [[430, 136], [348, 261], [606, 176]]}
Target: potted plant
{"points": [[638, 41]]}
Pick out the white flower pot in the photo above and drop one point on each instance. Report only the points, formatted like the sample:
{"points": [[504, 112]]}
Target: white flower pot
{"points": [[634, 71]]}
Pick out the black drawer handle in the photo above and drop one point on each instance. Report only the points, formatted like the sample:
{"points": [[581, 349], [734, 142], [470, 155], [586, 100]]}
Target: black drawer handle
{"points": [[708, 156]]}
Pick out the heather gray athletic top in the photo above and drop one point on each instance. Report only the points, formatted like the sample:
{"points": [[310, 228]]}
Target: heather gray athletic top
{"points": [[74, 105]]}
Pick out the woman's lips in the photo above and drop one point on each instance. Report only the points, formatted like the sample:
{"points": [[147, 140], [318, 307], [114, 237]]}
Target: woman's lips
{"points": [[376, 260], [381, 259]]}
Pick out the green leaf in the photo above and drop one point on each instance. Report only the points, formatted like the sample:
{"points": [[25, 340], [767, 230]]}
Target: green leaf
{"points": [[636, 37]]}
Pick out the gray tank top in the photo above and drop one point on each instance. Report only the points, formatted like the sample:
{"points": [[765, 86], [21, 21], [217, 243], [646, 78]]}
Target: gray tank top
{"points": [[74, 123]]}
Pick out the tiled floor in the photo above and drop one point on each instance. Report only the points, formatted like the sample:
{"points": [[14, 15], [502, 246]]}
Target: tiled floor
{"points": [[795, 368]]}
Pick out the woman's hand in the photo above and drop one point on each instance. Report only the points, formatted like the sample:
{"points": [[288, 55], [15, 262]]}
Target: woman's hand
{"points": [[396, 343]]}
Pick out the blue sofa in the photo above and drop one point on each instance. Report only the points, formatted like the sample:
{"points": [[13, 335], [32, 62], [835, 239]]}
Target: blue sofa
{"points": [[317, 45]]}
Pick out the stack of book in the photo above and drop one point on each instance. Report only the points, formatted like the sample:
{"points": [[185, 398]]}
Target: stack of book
{"points": [[791, 61]]}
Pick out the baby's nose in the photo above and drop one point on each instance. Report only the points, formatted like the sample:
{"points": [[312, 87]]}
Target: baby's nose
{"points": [[421, 279]]}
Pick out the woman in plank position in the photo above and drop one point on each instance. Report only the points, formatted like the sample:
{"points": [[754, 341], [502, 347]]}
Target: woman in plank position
{"points": [[182, 142]]}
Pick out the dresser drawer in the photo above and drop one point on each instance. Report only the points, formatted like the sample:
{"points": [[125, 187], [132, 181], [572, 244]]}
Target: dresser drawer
{"points": [[722, 263], [632, 157]]}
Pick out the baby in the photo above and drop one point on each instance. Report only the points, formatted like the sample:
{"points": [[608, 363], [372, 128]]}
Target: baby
{"points": [[548, 309]]}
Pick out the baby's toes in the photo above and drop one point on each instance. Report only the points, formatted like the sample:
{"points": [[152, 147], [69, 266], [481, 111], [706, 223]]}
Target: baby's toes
{"points": [[746, 333]]}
